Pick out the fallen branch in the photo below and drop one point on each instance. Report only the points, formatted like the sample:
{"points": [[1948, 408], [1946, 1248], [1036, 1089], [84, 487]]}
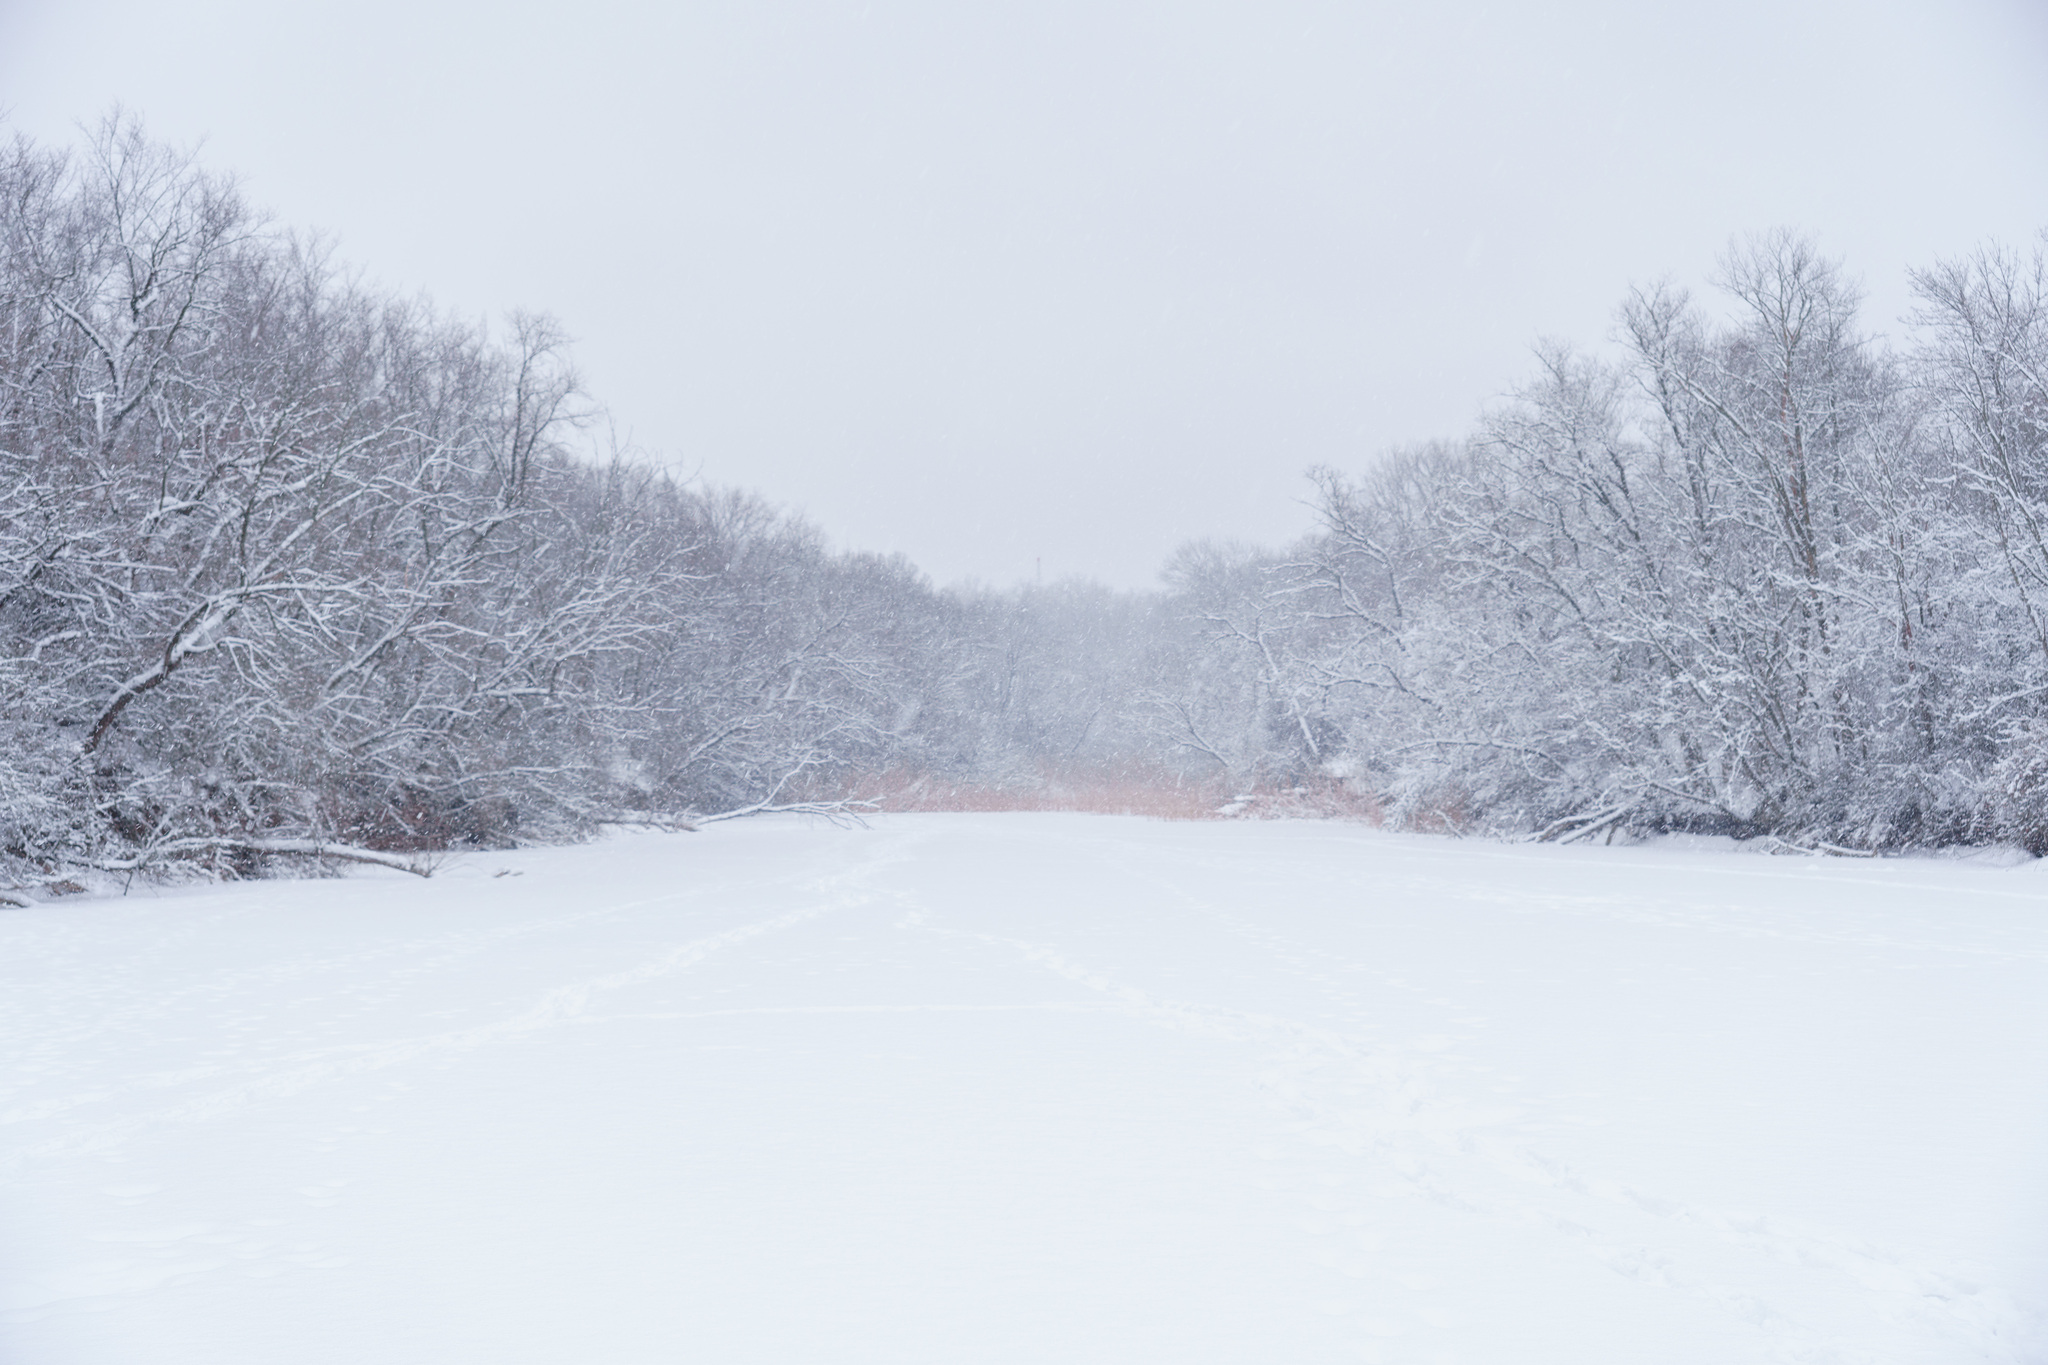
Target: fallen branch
{"points": [[1584, 825], [1817, 849], [314, 848], [832, 810], [670, 823], [298, 848]]}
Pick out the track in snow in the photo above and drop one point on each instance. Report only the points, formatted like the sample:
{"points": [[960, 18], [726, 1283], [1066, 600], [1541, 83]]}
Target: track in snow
{"points": [[1029, 1088]]}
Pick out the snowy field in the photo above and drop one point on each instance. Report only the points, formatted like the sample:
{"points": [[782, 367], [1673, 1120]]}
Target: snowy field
{"points": [[1034, 1088]]}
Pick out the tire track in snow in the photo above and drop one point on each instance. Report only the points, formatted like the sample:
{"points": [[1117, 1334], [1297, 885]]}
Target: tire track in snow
{"points": [[417, 957], [560, 1005], [414, 956]]}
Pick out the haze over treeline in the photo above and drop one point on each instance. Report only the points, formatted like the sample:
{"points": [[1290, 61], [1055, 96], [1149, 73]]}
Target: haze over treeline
{"points": [[285, 560]]}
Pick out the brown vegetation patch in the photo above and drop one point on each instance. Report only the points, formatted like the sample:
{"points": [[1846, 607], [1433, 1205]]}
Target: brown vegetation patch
{"points": [[1104, 789]]}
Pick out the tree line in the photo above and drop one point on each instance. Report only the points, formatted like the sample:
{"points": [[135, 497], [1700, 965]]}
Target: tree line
{"points": [[1758, 573], [289, 563]]}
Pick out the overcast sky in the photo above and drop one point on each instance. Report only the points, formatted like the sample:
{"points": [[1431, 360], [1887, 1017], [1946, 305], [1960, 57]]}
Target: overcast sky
{"points": [[995, 283]]}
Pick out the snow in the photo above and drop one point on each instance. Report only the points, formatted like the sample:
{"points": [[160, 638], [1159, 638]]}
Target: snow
{"points": [[1034, 1088]]}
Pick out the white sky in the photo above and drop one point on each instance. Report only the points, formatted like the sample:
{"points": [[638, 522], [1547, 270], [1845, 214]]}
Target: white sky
{"points": [[989, 284]]}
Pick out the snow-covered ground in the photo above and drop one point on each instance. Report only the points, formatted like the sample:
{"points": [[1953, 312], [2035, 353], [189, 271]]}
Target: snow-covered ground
{"points": [[1035, 1088]]}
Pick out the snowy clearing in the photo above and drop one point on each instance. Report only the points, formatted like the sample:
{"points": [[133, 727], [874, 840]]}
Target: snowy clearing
{"points": [[1034, 1088]]}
